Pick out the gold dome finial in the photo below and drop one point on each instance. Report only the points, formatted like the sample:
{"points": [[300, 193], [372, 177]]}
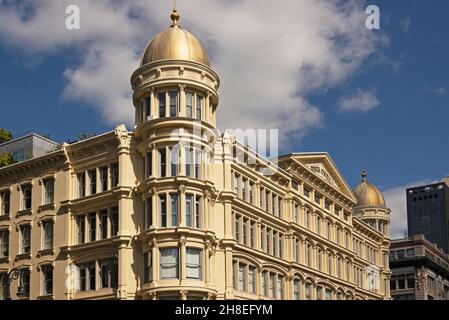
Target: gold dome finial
{"points": [[364, 175], [175, 16]]}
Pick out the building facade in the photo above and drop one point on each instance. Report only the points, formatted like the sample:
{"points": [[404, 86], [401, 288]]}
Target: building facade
{"points": [[28, 146], [420, 270], [428, 212], [174, 210]]}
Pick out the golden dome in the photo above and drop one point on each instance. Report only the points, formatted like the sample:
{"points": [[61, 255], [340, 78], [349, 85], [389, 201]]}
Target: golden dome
{"points": [[175, 43], [367, 194]]}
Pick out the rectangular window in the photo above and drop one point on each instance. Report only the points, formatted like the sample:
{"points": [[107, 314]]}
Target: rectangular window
{"points": [[25, 234], [148, 213], [306, 192], [47, 227], [4, 244], [148, 264], [189, 210], [272, 286], [198, 211], [47, 280], [5, 198], [162, 103], [264, 284], [296, 290], [189, 105], [273, 205], [252, 235], [174, 161], [149, 165], [92, 227], [103, 224], [162, 162], [114, 175], [108, 273], [242, 278], [252, 279], [317, 200], [401, 282], [81, 226], [411, 281], [92, 181], [148, 107], [308, 291], [280, 288], [237, 228], [174, 209], [328, 294], [114, 221], [49, 191], [251, 192], [197, 164], [262, 193], [169, 261], [4, 288], [193, 263], [25, 281], [410, 253], [245, 232], [104, 175], [319, 293], [163, 208], [262, 238], [199, 107], [26, 197], [188, 160], [173, 103], [244, 183], [393, 283]]}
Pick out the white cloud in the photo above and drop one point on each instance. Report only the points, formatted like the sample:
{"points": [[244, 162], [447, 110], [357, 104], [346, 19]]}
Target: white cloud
{"points": [[361, 101], [437, 91], [269, 55], [396, 200]]}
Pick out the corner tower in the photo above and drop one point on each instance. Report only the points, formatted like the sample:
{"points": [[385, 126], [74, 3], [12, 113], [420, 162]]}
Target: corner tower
{"points": [[371, 207]]}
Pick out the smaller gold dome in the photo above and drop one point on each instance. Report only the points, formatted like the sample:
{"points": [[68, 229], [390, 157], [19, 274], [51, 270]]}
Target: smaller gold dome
{"points": [[175, 43], [367, 194]]}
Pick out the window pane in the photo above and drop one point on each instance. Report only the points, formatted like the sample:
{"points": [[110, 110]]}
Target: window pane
{"points": [[193, 263], [169, 263]]}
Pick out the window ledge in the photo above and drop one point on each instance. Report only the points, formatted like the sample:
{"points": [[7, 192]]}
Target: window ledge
{"points": [[5, 217], [46, 297], [4, 260], [23, 256], [47, 207], [46, 252], [26, 212]]}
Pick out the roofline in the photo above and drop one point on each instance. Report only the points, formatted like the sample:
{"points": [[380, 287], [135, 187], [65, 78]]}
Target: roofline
{"points": [[27, 136]]}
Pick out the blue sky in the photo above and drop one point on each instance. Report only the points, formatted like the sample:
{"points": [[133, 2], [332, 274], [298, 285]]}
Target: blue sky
{"points": [[401, 140]]}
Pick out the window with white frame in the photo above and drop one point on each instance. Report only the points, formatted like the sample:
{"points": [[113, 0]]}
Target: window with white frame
{"points": [[5, 199], [193, 263], [169, 263], [25, 237], [47, 236], [4, 243]]}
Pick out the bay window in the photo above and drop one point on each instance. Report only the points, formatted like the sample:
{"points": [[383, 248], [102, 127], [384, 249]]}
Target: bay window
{"points": [[169, 263], [193, 263], [173, 95], [161, 97]]}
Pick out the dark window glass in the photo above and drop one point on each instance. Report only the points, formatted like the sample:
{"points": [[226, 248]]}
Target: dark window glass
{"points": [[161, 100]]}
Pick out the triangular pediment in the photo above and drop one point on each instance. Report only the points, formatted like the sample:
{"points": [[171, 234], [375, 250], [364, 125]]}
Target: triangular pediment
{"points": [[324, 167]]}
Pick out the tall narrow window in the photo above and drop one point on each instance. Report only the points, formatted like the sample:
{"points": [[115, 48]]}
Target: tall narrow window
{"points": [[188, 161], [252, 280], [162, 162], [114, 221], [252, 235], [296, 285], [163, 208], [197, 164], [104, 175], [162, 103], [174, 161], [103, 224], [4, 244], [92, 227], [108, 273], [149, 165], [308, 291], [242, 277], [264, 284], [198, 211], [114, 175], [189, 210], [81, 185], [4, 285], [148, 213], [148, 107], [25, 282], [251, 192], [199, 107], [280, 288], [26, 197], [6, 200], [169, 268], [81, 226], [25, 234], [174, 209], [148, 267], [244, 183], [47, 227], [272, 285], [92, 181], [193, 263], [237, 228], [189, 105], [47, 280], [49, 190], [173, 104]]}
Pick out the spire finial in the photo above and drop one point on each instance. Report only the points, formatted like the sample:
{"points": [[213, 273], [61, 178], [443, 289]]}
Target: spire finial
{"points": [[364, 175], [175, 16]]}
